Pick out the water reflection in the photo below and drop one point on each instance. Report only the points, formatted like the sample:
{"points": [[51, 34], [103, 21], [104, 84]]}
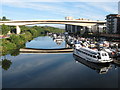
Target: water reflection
{"points": [[14, 52], [36, 70], [58, 42], [54, 71], [6, 64], [116, 62], [45, 43], [99, 68]]}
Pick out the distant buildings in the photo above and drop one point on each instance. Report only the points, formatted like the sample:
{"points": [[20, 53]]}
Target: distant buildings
{"points": [[69, 18], [113, 22], [81, 29], [111, 27]]}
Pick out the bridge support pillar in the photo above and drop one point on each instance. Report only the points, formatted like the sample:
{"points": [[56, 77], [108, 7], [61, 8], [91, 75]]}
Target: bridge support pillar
{"points": [[66, 27], [76, 28], [18, 29], [71, 28], [79, 29]]}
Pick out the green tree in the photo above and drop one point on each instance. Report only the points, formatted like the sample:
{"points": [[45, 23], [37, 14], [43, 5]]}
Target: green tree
{"points": [[17, 40], [15, 52], [33, 32], [7, 45], [28, 36], [4, 29], [4, 19], [24, 29]]}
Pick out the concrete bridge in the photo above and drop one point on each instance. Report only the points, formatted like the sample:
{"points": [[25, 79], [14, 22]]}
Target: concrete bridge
{"points": [[82, 23]]}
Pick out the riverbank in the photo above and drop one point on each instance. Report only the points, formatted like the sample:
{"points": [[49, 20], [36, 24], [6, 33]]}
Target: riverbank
{"points": [[12, 44]]}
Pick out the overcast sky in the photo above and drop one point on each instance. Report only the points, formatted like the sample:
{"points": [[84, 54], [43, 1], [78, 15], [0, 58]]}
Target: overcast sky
{"points": [[21, 10]]}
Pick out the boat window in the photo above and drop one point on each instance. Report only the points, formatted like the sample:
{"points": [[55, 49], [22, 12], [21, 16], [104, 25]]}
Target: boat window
{"points": [[90, 55], [104, 54], [98, 57], [94, 56]]}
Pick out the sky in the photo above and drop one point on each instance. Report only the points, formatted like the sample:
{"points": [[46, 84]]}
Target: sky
{"points": [[34, 10]]}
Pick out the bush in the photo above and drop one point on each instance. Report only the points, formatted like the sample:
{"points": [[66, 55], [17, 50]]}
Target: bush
{"points": [[7, 45], [17, 40]]}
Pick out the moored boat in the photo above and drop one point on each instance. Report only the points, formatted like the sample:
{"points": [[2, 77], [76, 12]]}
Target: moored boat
{"points": [[93, 55]]}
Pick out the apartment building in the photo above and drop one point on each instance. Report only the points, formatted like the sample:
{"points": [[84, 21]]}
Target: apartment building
{"points": [[113, 23]]}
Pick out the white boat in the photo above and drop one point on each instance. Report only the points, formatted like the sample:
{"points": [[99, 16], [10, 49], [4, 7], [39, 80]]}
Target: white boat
{"points": [[77, 45], [109, 51], [71, 41], [92, 55]]}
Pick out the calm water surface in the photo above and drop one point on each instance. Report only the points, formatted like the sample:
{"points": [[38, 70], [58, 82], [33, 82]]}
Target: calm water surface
{"points": [[57, 71], [44, 43]]}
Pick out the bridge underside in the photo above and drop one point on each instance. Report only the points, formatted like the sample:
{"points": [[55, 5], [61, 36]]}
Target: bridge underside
{"points": [[76, 24]]}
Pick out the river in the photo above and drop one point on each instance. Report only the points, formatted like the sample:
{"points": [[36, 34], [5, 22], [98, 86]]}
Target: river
{"points": [[45, 42], [61, 70]]}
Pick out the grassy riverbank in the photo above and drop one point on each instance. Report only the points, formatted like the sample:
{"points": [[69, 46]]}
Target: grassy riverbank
{"points": [[12, 44]]}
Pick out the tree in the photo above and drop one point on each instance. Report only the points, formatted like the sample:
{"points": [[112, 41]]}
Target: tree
{"points": [[5, 19], [24, 29], [7, 46], [16, 39], [15, 52], [4, 29]]}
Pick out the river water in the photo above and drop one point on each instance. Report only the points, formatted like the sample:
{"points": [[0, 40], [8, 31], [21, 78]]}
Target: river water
{"points": [[45, 42], [61, 70]]}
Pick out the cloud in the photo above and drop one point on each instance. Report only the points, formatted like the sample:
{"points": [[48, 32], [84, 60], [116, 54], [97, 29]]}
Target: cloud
{"points": [[107, 7], [91, 10], [42, 7], [96, 10]]}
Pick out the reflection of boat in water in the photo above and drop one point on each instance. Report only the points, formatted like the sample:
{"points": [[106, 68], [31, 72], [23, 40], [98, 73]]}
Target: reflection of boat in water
{"points": [[58, 40], [100, 68], [117, 61], [92, 55]]}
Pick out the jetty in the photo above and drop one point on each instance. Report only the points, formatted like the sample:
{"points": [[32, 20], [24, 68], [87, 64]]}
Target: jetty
{"points": [[33, 50]]}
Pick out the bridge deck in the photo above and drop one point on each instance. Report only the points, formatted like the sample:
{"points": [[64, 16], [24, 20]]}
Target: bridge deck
{"points": [[31, 22]]}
